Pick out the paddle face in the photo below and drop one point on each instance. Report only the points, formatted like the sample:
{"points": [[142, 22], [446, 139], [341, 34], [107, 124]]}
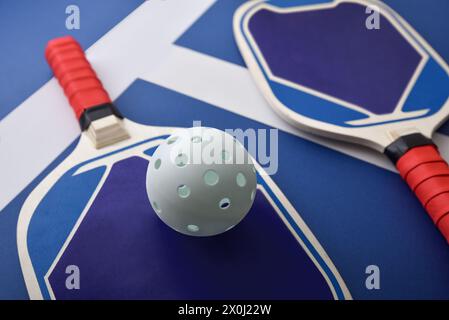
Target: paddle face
{"points": [[349, 69], [92, 212]]}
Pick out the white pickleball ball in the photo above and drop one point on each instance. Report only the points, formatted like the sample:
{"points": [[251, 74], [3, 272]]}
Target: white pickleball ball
{"points": [[201, 181]]}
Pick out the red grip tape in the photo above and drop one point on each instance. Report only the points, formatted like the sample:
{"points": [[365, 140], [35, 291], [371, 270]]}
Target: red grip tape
{"points": [[427, 174], [81, 85]]}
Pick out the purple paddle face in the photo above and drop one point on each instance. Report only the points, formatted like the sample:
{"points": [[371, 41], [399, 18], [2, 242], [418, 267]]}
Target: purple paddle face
{"points": [[344, 69], [331, 51]]}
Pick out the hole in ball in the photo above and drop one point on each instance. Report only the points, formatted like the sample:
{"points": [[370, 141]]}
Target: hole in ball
{"points": [[183, 191], [196, 139], [193, 228], [157, 164], [181, 160], [211, 177], [224, 203], [240, 179]]}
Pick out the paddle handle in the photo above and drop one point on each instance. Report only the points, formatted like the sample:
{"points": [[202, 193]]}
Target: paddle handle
{"points": [[427, 174], [76, 76]]}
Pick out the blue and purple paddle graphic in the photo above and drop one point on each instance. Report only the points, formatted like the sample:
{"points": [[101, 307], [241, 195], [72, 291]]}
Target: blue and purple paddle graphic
{"points": [[356, 71]]}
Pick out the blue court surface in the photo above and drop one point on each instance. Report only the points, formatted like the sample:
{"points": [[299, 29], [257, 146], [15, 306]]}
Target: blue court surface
{"points": [[317, 223]]}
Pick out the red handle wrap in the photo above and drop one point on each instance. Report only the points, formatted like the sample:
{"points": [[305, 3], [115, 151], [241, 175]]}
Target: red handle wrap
{"points": [[75, 74], [427, 174]]}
